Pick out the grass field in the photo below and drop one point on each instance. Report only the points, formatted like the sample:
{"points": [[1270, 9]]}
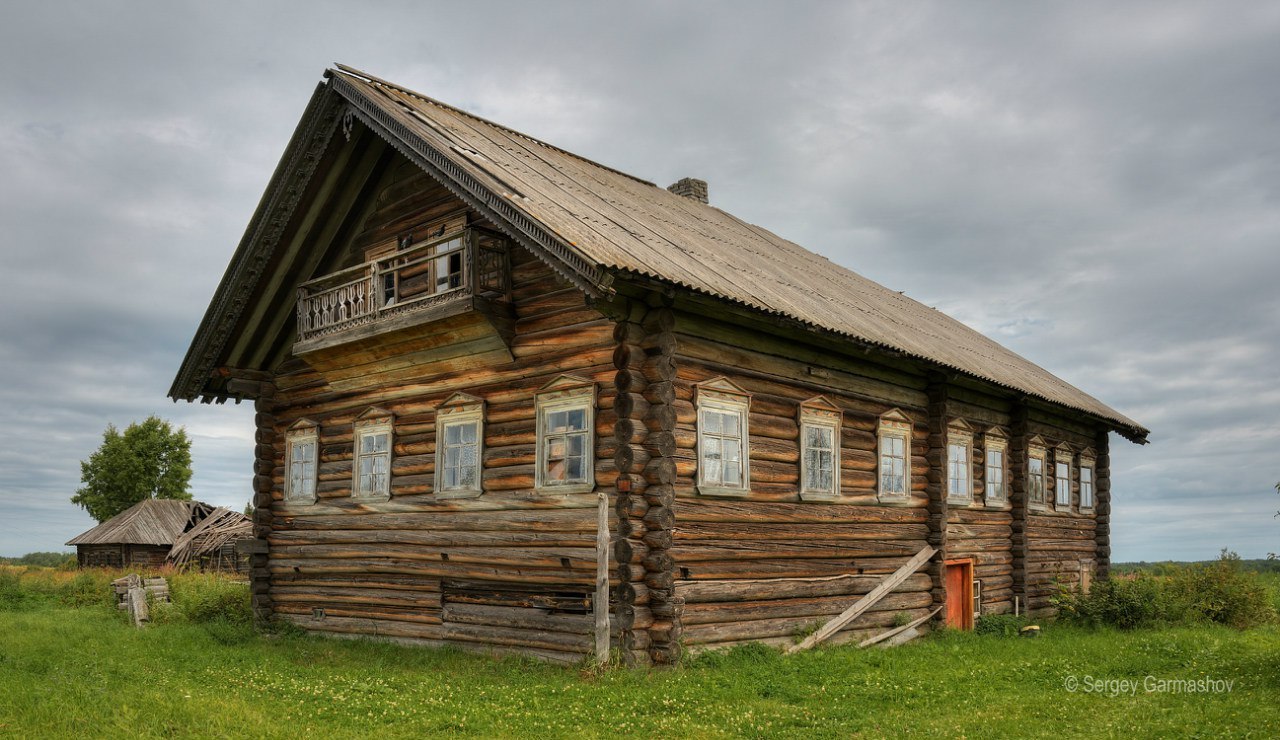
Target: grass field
{"points": [[76, 672]]}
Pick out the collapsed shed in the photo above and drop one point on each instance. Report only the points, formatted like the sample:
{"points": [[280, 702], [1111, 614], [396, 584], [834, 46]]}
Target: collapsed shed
{"points": [[157, 532]]}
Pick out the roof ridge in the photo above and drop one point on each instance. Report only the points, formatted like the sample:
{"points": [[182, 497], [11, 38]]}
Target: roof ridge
{"points": [[353, 72]]}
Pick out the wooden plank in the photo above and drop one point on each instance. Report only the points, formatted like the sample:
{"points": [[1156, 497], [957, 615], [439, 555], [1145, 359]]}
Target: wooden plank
{"points": [[897, 630], [601, 605], [866, 602]]}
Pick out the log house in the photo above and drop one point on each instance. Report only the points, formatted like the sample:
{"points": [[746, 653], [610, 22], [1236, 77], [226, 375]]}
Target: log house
{"points": [[511, 399]]}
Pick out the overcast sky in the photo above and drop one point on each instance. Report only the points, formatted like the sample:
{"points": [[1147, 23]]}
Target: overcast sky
{"points": [[1098, 188]]}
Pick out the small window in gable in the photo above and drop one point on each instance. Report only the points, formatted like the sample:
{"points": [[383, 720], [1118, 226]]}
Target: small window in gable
{"points": [[1087, 466], [819, 449], [959, 461], [1035, 472], [995, 445], [1062, 477], [723, 439], [459, 446], [302, 452], [893, 437], [371, 469], [566, 436]]}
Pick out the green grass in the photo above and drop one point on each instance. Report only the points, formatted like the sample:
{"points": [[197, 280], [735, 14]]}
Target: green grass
{"points": [[73, 672]]}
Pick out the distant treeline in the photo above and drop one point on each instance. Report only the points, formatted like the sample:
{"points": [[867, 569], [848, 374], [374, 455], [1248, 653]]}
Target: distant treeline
{"points": [[1168, 567], [46, 559]]}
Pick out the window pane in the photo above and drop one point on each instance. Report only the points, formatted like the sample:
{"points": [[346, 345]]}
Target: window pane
{"points": [[732, 473], [732, 424], [711, 422], [557, 421], [469, 432], [575, 444], [576, 419], [452, 434]]}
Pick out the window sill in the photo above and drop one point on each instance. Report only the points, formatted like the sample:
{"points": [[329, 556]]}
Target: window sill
{"points": [[375, 498], [307, 501], [564, 489], [723, 492], [463, 493], [819, 496]]}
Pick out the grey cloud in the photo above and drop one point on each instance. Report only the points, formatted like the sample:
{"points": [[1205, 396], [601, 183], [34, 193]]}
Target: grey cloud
{"points": [[1094, 185]]}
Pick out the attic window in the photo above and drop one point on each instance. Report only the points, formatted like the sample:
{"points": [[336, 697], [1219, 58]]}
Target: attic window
{"points": [[459, 443], [959, 461], [302, 455], [894, 440], [995, 445], [566, 436], [819, 449], [1035, 473], [1062, 477], [371, 469], [723, 439], [1087, 464]]}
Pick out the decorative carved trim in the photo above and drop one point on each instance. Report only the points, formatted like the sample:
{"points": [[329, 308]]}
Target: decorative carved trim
{"points": [[260, 240]]}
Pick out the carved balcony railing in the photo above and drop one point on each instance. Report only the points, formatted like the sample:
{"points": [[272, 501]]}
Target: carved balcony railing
{"points": [[436, 272]]}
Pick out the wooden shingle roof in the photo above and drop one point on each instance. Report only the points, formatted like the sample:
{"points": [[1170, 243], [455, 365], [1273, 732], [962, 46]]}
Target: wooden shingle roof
{"points": [[593, 223], [148, 522]]}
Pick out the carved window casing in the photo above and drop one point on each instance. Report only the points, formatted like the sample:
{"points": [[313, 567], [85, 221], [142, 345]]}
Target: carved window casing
{"points": [[459, 447], [1088, 484], [959, 461], [1036, 454], [302, 462], [1062, 455], [371, 464], [724, 438], [995, 466], [820, 422], [893, 439], [566, 436]]}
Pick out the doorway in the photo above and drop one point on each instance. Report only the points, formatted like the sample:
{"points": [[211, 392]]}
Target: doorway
{"points": [[959, 585]]}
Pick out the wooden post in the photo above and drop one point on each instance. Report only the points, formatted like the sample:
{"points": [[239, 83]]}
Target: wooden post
{"points": [[936, 486], [1018, 501], [1102, 503], [601, 603]]}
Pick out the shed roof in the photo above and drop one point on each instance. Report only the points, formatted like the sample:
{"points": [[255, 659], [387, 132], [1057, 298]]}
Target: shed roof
{"points": [[221, 526], [595, 222], [148, 522]]}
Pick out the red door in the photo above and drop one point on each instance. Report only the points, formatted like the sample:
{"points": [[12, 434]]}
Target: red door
{"points": [[959, 585]]}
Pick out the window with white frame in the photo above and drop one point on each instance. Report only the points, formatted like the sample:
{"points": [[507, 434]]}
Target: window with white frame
{"points": [[723, 438], [1035, 475], [302, 449], [819, 449], [372, 466], [1086, 482], [566, 436], [893, 437], [959, 461], [995, 446], [1062, 478], [459, 446]]}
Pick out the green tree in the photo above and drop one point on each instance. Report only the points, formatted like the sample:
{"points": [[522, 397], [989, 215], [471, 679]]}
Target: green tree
{"points": [[149, 460]]}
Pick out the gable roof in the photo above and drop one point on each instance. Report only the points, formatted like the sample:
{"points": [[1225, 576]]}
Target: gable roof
{"points": [[148, 522], [591, 222]]}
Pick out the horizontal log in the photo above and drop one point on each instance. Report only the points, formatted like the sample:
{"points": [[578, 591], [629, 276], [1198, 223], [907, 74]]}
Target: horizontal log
{"points": [[433, 538], [702, 509], [691, 552], [727, 591]]}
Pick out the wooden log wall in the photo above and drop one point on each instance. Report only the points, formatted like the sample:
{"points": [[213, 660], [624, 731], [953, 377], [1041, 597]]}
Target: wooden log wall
{"points": [[512, 569], [767, 566], [1061, 541], [982, 530], [266, 444]]}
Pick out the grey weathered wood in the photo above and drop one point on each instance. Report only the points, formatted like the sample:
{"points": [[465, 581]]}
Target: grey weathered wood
{"points": [[899, 630], [601, 604], [866, 602]]}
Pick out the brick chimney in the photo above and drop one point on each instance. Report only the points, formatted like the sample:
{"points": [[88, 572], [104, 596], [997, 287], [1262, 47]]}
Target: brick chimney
{"points": [[692, 188]]}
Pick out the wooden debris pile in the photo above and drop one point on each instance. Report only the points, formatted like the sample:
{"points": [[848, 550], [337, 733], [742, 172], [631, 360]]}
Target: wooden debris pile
{"points": [[210, 543], [132, 593]]}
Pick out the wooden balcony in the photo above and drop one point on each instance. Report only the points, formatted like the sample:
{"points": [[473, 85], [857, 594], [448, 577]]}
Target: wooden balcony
{"points": [[427, 281]]}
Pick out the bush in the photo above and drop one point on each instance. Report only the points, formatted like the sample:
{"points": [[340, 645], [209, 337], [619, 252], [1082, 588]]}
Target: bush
{"points": [[1221, 592], [1004, 625], [199, 598], [1224, 592]]}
